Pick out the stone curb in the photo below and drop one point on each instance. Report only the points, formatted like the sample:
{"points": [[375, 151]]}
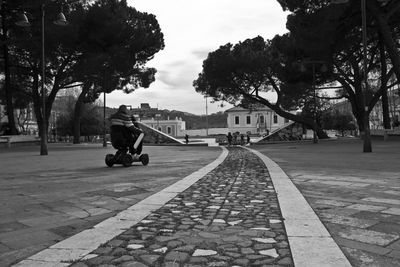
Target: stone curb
{"points": [[310, 243], [78, 246]]}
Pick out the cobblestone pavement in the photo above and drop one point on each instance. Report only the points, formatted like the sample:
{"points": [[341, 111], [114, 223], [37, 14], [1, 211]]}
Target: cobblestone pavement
{"points": [[230, 217]]}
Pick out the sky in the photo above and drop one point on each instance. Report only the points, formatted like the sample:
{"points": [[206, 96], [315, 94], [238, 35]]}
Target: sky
{"points": [[192, 29]]}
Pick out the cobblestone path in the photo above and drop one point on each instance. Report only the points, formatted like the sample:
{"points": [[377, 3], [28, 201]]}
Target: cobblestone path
{"points": [[230, 217]]}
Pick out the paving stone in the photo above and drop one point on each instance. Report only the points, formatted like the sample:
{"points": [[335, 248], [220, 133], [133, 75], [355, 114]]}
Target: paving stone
{"points": [[367, 236], [176, 256], [364, 207], [149, 259], [122, 259], [346, 220], [100, 260], [362, 246], [395, 254], [394, 211]]}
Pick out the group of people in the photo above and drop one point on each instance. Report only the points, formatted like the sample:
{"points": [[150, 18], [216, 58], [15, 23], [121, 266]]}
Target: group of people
{"points": [[236, 139]]}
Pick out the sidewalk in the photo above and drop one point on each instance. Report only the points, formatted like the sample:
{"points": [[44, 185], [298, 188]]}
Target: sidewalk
{"points": [[355, 194], [46, 199]]}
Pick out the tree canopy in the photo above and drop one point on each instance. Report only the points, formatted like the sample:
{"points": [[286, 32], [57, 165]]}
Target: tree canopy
{"points": [[105, 47]]}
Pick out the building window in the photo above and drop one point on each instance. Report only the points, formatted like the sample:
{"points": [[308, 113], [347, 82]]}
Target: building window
{"points": [[236, 120], [275, 118], [169, 131], [248, 119], [261, 119], [160, 129]]}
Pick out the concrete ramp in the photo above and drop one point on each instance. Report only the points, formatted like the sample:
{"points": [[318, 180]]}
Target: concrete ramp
{"points": [[289, 132], [154, 136]]}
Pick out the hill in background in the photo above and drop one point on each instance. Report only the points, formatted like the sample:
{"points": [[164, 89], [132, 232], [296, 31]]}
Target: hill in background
{"points": [[193, 122]]}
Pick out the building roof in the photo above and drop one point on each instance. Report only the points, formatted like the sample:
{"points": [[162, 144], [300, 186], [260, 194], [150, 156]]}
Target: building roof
{"points": [[236, 109]]}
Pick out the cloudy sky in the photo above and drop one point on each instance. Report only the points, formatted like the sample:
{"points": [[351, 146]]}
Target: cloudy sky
{"points": [[192, 29]]}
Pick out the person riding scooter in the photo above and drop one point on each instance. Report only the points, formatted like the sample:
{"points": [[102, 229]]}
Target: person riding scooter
{"points": [[125, 134]]}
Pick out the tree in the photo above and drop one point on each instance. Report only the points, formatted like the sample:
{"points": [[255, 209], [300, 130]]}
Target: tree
{"points": [[7, 37], [336, 29], [337, 121], [243, 73], [331, 33], [115, 53], [68, 49]]}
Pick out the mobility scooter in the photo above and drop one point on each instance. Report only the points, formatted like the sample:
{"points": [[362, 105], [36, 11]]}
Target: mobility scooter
{"points": [[123, 157]]}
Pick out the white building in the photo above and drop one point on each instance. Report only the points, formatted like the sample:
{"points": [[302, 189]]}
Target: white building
{"points": [[175, 127], [257, 121]]}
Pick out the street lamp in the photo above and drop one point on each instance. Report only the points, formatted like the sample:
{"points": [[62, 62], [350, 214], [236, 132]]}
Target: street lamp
{"points": [[158, 116], [323, 69], [206, 117], [24, 22], [104, 121], [367, 133]]}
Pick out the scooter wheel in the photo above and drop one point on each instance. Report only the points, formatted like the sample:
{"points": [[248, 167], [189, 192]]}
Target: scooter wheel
{"points": [[144, 159], [109, 160], [127, 160]]}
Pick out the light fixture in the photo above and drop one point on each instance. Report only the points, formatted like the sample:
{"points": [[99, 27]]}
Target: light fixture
{"points": [[61, 20], [23, 20]]}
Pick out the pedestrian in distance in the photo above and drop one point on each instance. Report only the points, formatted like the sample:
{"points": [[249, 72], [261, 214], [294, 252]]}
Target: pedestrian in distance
{"points": [[187, 138], [241, 139], [229, 137], [235, 139], [248, 139]]}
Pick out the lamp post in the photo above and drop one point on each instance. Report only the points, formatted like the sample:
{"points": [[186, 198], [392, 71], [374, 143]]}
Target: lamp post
{"points": [[158, 116], [323, 69], [206, 117], [104, 121], [367, 133], [61, 21]]}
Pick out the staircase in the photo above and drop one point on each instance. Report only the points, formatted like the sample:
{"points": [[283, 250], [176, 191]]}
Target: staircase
{"points": [[290, 132], [154, 136]]}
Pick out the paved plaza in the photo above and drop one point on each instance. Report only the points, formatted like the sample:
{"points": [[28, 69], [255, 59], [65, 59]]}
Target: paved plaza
{"points": [[356, 195], [203, 206]]}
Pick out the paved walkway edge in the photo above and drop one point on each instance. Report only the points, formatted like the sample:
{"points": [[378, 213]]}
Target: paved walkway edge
{"points": [[79, 246], [310, 243]]}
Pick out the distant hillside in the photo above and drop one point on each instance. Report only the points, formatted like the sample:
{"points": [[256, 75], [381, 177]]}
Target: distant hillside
{"points": [[216, 120]]}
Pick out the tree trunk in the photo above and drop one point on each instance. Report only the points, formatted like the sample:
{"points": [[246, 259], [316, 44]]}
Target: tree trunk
{"points": [[7, 85], [78, 112], [77, 121], [385, 108], [384, 89]]}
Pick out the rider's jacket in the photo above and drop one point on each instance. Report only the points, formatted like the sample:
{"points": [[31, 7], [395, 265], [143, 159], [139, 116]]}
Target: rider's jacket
{"points": [[125, 120]]}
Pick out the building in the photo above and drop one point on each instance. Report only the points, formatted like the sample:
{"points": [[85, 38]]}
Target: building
{"points": [[257, 121], [153, 117], [174, 127], [25, 120], [376, 114]]}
